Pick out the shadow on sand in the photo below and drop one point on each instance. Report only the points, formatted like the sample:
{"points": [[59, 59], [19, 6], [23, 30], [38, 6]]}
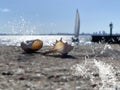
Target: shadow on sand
{"points": [[61, 56], [50, 55]]}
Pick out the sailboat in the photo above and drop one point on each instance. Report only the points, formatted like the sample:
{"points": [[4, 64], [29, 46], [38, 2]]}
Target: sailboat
{"points": [[77, 27]]}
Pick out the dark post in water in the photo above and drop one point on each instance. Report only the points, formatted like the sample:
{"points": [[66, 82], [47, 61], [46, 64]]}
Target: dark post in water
{"points": [[111, 27]]}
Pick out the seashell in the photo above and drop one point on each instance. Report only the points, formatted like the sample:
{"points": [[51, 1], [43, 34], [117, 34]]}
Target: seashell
{"points": [[60, 47], [32, 45]]}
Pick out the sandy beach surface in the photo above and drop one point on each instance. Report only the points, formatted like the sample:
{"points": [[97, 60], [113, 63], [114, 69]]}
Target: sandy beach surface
{"points": [[89, 67]]}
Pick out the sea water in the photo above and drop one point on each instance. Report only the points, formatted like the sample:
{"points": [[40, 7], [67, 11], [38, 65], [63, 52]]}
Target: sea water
{"points": [[48, 40], [28, 30]]}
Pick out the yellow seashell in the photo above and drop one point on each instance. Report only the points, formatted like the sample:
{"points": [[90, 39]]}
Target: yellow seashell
{"points": [[32, 45], [61, 47], [58, 46], [37, 44]]}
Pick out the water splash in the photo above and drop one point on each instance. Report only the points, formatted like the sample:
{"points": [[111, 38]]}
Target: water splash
{"points": [[78, 70], [106, 80], [21, 26], [107, 75], [106, 47]]}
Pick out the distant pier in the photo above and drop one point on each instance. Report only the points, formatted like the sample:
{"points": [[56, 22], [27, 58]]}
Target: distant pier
{"points": [[110, 39]]}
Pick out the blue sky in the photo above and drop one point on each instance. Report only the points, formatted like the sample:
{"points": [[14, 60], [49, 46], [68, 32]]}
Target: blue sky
{"points": [[58, 16]]}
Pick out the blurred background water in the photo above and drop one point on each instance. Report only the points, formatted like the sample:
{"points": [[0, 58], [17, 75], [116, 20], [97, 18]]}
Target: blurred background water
{"points": [[48, 40]]}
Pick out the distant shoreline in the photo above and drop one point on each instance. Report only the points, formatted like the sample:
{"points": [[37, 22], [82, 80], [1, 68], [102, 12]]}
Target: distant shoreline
{"points": [[59, 34], [41, 34]]}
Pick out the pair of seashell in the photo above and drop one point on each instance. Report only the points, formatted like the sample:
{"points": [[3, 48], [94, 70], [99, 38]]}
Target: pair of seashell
{"points": [[34, 45]]}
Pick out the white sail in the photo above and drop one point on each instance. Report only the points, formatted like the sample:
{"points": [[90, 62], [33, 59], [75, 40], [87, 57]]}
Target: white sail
{"points": [[77, 25]]}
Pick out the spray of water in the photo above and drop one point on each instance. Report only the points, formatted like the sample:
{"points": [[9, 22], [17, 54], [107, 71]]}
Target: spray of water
{"points": [[21, 26], [106, 47], [105, 72], [107, 75]]}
